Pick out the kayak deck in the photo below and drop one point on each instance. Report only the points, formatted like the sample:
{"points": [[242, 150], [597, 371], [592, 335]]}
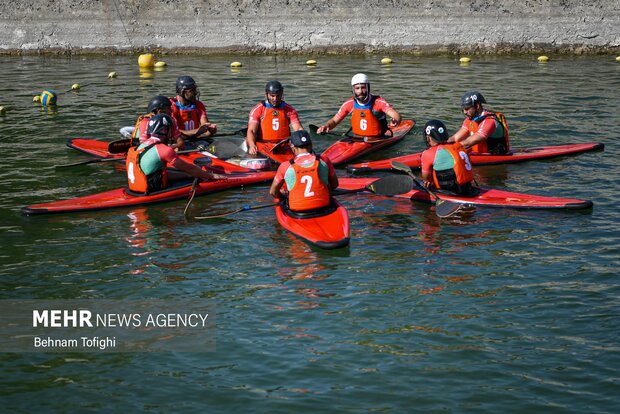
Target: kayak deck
{"points": [[515, 156], [351, 147], [486, 197], [327, 230], [121, 197], [99, 149]]}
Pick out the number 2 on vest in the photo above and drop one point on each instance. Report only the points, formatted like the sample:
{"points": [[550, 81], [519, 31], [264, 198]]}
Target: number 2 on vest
{"points": [[306, 179]]}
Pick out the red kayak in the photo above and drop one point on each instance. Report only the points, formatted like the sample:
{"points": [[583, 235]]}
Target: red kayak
{"points": [[515, 155], [485, 197], [351, 147], [99, 149], [277, 151], [327, 228], [122, 197]]}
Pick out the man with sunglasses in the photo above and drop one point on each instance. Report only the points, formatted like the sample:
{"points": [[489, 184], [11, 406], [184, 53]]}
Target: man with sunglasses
{"points": [[189, 112], [483, 131]]}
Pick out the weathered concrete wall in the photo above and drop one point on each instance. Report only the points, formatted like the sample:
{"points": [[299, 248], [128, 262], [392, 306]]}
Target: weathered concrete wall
{"points": [[77, 26]]}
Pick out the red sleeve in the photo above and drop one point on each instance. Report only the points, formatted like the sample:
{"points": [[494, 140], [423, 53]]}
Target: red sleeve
{"points": [[381, 105], [291, 113], [281, 171], [256, 113], [344, 110], [487, 127], [202, 112], [166, 154], [428, 157]]}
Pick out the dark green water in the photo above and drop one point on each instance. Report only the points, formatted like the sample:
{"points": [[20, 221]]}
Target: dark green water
{"points": [[500, 311]]}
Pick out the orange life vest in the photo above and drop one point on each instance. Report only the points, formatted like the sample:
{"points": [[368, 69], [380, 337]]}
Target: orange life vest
{"points": [[498, 142], [308, 192], [453, 174], [366, 122], [188, 115], [137, 180], [139, 130], [274, 124]]}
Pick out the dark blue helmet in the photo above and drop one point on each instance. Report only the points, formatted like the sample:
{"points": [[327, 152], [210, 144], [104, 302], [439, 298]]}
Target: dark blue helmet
{"points": [[160, 126], [274, 87], [471, 98], [185, 82], [436, 130], [159, 102]]}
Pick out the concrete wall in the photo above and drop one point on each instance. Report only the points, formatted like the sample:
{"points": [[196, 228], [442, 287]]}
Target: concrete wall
{"points": [[78, 26]]}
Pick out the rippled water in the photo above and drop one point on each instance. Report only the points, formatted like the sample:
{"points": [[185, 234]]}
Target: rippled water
{"points": [[498, 311]]}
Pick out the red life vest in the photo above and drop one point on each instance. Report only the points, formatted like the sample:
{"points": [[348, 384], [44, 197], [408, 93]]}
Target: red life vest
{"points": [[366, 122], [137, 180], [186, 115], [308, 192], [459, 177], [274, 124], [498, 142]]}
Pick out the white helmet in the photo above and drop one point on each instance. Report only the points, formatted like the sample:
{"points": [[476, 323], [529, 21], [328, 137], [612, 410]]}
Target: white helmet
{"points": [[359, 78]]}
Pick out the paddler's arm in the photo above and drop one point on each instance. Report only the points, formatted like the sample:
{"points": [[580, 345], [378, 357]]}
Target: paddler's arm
{"points": [[459, 135], [395, 117], [275, 188], [329, 125], [196, 171], [251, 137]]}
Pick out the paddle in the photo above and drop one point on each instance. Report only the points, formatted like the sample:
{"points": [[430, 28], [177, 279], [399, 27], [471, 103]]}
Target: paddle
{"points": [[191, 196], [386, 186], [122, 145], [313, 129], [443, 208], [95, 160], [368, 140]]}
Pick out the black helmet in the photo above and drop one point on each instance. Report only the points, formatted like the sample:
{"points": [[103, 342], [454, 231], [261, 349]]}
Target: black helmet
{"points": [[274, 87], [159, 102], [472, 98], [160, 126], [185, 82], [436, 130]]}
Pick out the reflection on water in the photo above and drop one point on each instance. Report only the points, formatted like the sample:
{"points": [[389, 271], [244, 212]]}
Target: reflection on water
{"points": [[519, 305]]}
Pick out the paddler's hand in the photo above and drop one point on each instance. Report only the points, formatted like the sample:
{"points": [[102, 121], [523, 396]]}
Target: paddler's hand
{"points": [[212, 128], [323, 129], [252, 149], [394, 122]]}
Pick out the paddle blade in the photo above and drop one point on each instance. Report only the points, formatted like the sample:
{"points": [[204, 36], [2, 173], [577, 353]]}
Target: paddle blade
{"points": [[391, 185], [120, 146], [445, 208]]}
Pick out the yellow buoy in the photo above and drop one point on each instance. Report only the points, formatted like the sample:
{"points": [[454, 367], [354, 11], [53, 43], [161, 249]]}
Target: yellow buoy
{"points": [[543, 58], [36, 98], [75, 87], [2, 111], [236, 65], [146, 60], [464, 59], [160, 64], [111, 75], [386, 61], [311, 62], [618, 58]]}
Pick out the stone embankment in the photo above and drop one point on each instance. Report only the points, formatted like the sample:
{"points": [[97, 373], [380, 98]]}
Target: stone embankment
{"points": [[268, 26]]}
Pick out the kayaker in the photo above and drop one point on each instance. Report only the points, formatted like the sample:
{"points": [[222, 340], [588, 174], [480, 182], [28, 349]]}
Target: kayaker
{"points": [[369, 111], [483, 131], [189, 112], [308, 177], [157, 105], [271, 120], [445, 166], [147, 163]]}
